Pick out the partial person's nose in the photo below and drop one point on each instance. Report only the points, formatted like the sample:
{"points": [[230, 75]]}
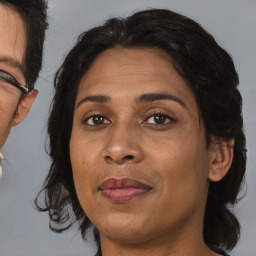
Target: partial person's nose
{"points": [[122, 146]]}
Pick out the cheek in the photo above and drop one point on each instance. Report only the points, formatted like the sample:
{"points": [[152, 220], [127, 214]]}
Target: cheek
{"points": [[83, 155], [5, 127], [7, 111], [83, 161], [183, 163], [78, 157]]}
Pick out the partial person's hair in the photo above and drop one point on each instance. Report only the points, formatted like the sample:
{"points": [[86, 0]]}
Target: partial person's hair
{"points": [[34, 15], [207, 69]]}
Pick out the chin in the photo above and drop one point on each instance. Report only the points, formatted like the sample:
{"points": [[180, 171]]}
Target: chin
{"points": [[126, 235], [125, 229]]}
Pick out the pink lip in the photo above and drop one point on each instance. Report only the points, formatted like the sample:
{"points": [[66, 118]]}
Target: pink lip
{"points": [[123, 190]]}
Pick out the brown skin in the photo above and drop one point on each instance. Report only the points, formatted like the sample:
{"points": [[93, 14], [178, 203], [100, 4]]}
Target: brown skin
{"points": [[171, 157], [13, 109]]}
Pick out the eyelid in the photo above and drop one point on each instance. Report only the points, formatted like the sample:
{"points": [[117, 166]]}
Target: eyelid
{"points": [[12, 80], [160, 111], [162, 114], [5, 73], [91, 114]]}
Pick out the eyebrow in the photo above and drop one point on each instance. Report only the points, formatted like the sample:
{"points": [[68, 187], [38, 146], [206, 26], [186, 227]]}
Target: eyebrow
{"points": [[144, 98], [94, 98], [14, 63], [151, 97]]}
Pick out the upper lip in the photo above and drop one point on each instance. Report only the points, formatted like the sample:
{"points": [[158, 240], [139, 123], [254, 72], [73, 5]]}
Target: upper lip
{"points": [[122, 183]]}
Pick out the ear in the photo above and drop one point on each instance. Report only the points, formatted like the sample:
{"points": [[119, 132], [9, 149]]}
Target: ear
{"points": [[24, 107], [221, 159]]}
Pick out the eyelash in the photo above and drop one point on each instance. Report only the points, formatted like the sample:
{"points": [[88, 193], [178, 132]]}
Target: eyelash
{"points": [[146, 118], [93, 115], [6, 77], [164, 115]]}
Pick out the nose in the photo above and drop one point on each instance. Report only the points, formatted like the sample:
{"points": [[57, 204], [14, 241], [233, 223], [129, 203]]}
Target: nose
{"points": [[122, 147]]}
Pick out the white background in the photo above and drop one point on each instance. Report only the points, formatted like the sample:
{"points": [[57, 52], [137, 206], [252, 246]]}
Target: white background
{"points": [[23, 230]]}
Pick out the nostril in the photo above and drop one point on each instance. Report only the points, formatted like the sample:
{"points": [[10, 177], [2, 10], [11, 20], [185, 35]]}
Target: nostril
{"points": [[129, 157], [108, 159], [119, 159]]}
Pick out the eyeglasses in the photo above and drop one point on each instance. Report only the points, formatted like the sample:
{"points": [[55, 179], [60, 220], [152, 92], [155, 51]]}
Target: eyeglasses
{"points": [[6, 77]]}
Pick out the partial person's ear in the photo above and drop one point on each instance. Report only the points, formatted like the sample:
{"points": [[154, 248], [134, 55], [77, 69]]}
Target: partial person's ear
{"points": [[24, 107], [221, 158]]}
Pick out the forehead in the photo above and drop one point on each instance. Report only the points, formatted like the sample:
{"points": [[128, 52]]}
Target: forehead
{"points": [[117, 64], [128, 73], [12, 38]]}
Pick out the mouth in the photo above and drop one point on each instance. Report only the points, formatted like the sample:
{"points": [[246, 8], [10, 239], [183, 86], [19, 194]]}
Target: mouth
{"points": [[123, 190]]}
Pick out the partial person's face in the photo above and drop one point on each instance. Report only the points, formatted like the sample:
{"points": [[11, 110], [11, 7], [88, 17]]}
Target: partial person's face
{"points": [[13, 109], [138, 150]]}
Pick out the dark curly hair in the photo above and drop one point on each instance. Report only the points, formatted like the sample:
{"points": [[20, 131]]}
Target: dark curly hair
{"points": [[34, 16], [210, 73]]}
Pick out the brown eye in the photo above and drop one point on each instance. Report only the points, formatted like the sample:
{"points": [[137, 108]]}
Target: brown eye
{"points": [[159, 119], [96, 120]]}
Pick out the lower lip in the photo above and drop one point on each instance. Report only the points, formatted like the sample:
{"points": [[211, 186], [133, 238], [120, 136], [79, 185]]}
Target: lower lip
{"points": [[123, 195]]}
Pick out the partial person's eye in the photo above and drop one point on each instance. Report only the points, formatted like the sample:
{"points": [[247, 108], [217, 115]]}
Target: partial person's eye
{"points": [[6, 77], [159, 119], [96, 119]]}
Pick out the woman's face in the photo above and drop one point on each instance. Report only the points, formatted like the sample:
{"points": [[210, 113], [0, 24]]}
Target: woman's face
{"points": [[137, 148], [12, 50]]}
